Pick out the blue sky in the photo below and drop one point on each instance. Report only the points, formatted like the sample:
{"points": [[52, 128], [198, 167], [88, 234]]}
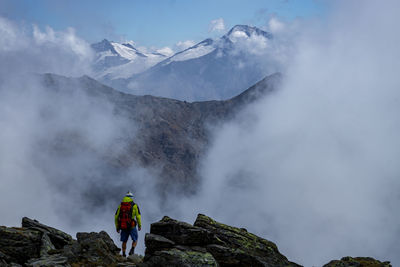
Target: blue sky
{"points": [[150, 22]]}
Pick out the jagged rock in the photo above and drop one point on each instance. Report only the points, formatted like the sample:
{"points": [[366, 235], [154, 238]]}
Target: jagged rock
{"points": [[357, 262], [49, 261], [36, 244], [97, 248], [126, 264], [156, 242], [181, 232], [4, 259], [234, 257], [209, 243], [135, 259], [241, 247], [18, 245], [170, 243], [84, 238], [46, 245], [176, 257], [58, 238]]}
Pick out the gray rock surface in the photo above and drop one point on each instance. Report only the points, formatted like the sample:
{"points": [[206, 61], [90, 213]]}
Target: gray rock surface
{"points": [[180, 232], [38, 245], [58, 238], [208, 243], [169, 243], [357, 262], [155, 242], [19, 244]]}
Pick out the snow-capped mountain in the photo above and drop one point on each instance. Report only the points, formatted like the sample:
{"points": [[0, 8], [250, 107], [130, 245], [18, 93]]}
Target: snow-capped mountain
{"points": [[119, 61], [239, 33], [212, 69]]}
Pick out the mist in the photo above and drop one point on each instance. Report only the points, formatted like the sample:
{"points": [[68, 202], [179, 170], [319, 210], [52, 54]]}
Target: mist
{"points": [[59, 143], [314, 166]]}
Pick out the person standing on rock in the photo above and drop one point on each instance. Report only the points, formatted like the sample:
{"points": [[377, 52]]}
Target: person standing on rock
{"points": [[127, 217]]}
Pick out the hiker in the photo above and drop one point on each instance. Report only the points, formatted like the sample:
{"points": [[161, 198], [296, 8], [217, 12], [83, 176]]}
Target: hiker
{"points": [[125, 222]]}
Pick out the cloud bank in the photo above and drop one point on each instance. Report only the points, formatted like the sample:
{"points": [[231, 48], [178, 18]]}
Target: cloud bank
{"points": [[314, 166], [58, 142], [217, 25], [29, 49]]}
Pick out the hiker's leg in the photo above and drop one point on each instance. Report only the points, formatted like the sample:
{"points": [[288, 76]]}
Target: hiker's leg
{"points": [[124, 240], [132, 251], [134, 236], [123, 247]]}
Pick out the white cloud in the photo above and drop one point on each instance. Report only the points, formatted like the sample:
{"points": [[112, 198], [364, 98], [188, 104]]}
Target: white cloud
{"points": [[167, 51], [65, 40], [217, 25], [33, 50], [182, 45], [10, 36], [316, 164], [239, 34], [275, 25]]}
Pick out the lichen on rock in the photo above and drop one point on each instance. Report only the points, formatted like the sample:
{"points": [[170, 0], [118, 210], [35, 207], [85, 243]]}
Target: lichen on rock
{"points": [[357, 262], [36, 244], [208, 242]]}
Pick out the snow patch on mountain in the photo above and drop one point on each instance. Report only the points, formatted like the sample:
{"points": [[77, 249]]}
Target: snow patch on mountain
{"points": [[196, 51], [121, 61], [126, 51]]}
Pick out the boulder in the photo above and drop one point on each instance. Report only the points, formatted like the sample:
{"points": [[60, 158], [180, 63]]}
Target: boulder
{"points": [[49, 261], [58, 238], [181, 232], [135, 259], [4, 259], [357, 262], [208, 243], [46, 245], [96, 249], [87, 238], [36, 244], [18, 245], [176, 257], [156, 242], [241, 247]]}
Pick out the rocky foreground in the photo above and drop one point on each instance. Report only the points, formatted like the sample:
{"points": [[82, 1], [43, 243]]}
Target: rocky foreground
{"points": [[169, 243]]}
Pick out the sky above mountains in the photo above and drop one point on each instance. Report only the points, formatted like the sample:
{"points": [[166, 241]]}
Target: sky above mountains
{"points": [[160, 23]]}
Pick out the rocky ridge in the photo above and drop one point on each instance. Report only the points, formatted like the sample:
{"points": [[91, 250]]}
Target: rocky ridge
{"points": [[208, 243], [169, 243], [35, 244], [170, 135]]}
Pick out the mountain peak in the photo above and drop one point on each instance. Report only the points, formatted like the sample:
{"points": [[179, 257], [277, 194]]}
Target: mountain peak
{"points": [[246, 31], [102, 46], [129, 45]]}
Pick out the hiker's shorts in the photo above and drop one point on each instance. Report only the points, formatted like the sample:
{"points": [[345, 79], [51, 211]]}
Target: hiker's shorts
{"points": [[126, 233]]}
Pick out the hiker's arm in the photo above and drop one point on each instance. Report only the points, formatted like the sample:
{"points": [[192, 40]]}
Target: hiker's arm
{"points": [[116, 218], [138, 216]]}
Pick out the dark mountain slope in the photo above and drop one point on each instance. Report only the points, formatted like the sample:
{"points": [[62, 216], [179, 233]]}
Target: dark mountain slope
{"points": [[164, 134]]}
